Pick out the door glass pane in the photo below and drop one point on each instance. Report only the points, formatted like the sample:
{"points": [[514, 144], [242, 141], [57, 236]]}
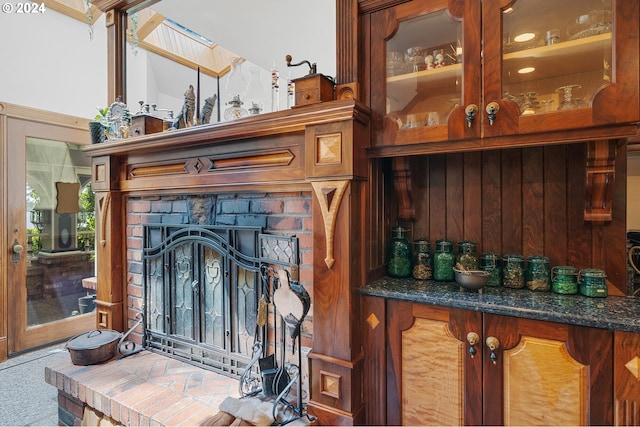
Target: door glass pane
{"points": [[424, 70], [60, 219], [556, 54]]}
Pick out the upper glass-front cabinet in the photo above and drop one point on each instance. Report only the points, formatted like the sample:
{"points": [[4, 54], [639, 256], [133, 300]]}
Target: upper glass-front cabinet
{"points": [[464, 69]]}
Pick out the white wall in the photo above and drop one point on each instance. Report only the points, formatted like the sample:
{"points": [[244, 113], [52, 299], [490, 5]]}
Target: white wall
{"points": [[49, 62]]}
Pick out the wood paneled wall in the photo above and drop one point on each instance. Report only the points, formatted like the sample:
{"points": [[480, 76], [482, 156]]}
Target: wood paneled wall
{"points": [[527, 201]]}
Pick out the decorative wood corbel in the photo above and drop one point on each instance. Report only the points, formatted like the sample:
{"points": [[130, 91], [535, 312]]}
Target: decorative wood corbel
{"points": [[402, 184], [600, 176], [329, 195]]}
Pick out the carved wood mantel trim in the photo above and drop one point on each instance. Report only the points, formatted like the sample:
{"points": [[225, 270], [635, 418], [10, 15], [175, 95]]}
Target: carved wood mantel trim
{"points": [[329, 195], [320, 147], [601, 155]]}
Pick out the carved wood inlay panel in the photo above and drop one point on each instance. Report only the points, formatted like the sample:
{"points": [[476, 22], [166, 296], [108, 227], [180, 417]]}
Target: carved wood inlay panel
{"points": [[212, 164], [329, 195], [633, 366], [329, 149], [330, 384], [564, 384], [432, 375]]}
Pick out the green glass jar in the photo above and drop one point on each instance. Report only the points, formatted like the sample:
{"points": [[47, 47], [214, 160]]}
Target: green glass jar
{"points": [[491, 263], [443, 261], [468, 254], [564, 280], [399, 253], [513, 271], [537, 277], [422, 260], [592, 283]]}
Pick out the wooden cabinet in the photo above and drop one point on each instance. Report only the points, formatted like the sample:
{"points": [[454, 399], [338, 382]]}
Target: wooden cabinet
{"points": [[578, 70], [626, 382], [538, 373]]}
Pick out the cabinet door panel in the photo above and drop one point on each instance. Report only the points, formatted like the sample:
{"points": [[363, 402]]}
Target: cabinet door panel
{"points": [[433, 380], [547, 373]]}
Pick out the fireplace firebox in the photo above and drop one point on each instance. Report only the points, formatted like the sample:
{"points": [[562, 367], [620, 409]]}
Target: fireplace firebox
{"points": [[202, 285]]}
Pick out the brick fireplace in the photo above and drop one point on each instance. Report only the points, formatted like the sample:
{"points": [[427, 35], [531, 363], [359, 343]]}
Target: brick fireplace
{"points": [[299, 172], [217, 234]]}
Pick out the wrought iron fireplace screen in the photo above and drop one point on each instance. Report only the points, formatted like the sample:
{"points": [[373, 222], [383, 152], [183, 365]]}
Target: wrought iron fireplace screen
{"points": [[201, 287]]}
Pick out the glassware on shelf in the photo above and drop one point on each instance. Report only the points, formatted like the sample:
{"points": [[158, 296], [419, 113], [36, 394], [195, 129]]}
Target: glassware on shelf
{"points": [[415, 57], [395, 64], [235, 91], [255, 92], [275, 88], [590, 24], [235, 110], [567, 102]]}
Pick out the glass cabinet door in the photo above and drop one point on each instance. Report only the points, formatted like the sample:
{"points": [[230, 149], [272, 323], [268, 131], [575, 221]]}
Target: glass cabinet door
{"points": [[424, 70], [424, 52], [556, 55], [551, 62]]}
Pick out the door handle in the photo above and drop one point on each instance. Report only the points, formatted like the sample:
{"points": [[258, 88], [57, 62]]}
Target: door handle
{"points": [[17, 249]]}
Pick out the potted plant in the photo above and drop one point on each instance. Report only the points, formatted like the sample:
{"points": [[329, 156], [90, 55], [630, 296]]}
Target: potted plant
{"points": [[99, 125]]}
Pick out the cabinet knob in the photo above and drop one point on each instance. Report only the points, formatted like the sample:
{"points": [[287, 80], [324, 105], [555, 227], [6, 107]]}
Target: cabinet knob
{"points": [[473, 339], [470, 111], [492, 109], [493, 344]]}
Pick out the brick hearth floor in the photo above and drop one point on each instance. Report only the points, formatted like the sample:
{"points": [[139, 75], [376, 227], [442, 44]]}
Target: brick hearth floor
{"points": [[144, 389]]}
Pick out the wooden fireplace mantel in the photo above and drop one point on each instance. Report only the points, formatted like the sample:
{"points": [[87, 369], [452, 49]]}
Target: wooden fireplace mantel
{"points": [[319, 148]]}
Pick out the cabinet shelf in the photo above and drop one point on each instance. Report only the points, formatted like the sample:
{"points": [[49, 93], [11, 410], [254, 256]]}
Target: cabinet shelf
{"points": [[562, 59]]}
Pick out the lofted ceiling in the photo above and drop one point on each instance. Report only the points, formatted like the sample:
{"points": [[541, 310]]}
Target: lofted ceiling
{"points": [[262, 32]]}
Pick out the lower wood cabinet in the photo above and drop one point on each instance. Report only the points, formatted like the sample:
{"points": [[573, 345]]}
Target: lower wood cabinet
{"points": [[448, 366], [626, 379]]}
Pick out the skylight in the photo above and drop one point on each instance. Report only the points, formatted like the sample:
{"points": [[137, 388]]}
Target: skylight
{"points": [[189, 32]]}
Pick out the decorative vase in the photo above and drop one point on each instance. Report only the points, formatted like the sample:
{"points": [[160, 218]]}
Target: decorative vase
{"points": [[255, 92]]}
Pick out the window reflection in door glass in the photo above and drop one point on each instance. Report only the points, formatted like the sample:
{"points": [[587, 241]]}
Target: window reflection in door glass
{"points": [[60, 220]]}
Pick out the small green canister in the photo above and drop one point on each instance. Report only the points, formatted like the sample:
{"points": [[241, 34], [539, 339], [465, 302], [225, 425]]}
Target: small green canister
{"points": [[443, 261], [399, 253], [592, 283], [513, 271], [564, 280], [491, 263], [537, 275]]}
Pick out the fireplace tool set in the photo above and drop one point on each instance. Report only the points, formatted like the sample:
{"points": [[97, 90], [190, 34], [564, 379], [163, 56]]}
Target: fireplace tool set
{"points": [[276, 378]]}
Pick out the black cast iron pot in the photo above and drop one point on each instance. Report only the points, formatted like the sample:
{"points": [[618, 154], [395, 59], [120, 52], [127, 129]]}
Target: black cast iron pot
{"points": [[91, 348]]}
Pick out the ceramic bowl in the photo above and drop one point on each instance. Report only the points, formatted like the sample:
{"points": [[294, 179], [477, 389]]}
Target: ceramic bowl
{"points": [[471, 279]]}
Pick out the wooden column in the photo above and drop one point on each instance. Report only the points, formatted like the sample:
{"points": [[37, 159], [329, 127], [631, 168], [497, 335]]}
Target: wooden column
{"points": [[337, 168], [110, 225]]}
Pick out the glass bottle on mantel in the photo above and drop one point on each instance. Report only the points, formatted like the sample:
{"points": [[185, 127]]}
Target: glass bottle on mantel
{"points": [[399, 253], [275, 88], [255, 92], [422, 260], [235, 92], [443, 261]]}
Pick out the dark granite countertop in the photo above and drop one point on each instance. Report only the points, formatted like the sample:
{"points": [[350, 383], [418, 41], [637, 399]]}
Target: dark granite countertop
{"points": [[612, 312]]}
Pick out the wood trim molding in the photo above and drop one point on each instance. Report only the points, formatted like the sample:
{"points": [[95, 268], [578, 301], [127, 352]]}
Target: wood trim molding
{"points": [[42, 116]]}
